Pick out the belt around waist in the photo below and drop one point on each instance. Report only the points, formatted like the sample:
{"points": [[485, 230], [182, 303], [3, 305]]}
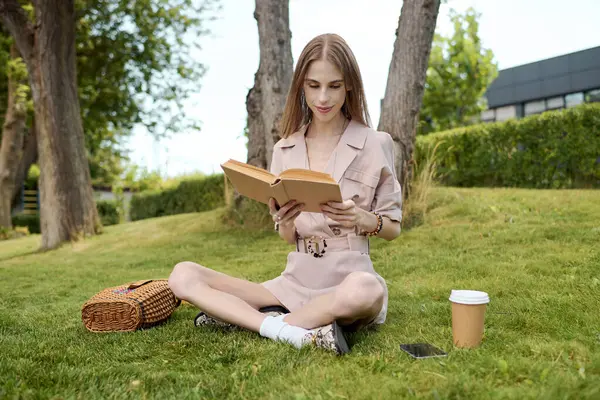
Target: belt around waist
{"points": [[318, 246]]}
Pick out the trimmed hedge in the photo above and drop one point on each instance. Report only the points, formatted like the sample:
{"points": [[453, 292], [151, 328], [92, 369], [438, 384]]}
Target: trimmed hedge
{"points": [[107, 210], [556, 149], [189, 196], [31, 221]]}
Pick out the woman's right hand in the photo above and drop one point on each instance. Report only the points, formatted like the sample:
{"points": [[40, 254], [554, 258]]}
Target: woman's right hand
{"points": [[286, 214]]}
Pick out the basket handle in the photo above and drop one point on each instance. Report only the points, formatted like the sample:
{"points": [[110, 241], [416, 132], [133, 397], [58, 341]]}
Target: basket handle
{"points": [[137, 284]]}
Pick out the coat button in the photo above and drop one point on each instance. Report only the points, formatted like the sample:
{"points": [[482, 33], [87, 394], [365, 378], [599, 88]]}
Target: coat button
{"points": [[336, 231]]}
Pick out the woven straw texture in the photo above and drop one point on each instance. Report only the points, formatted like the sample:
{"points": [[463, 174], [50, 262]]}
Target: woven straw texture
{"points": [[126, 308]]}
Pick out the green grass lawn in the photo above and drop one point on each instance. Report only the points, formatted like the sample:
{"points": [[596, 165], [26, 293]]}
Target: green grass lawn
{"points": [[537, 254]]}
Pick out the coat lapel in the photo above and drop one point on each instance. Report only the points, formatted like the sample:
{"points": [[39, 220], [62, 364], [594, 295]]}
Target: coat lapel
{"points": [[294, 148], [352, 141]]}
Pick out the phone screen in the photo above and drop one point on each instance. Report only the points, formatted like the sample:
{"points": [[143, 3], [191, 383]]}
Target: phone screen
{"points": [[422, 350]]}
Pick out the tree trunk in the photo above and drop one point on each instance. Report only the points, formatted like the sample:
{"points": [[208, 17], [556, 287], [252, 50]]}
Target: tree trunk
{"points": [[266, 100], [12, 145], [406, 81], [67, 208]]}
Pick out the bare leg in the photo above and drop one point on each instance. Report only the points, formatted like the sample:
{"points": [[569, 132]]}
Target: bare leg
{"points": [[227, 298], [358, 297]]}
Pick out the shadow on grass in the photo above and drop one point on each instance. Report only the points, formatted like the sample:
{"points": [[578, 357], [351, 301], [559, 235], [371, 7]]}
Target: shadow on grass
{"points": [[25, 254]]}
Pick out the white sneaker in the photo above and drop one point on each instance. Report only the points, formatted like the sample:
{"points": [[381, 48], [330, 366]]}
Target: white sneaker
{"points": [[329, 337]]}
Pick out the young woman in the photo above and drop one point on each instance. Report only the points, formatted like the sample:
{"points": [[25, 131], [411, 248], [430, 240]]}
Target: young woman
{"points": [[329, 284]]}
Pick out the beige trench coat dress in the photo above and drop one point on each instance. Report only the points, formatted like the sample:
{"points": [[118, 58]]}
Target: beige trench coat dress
{"points": [[363, 165]]}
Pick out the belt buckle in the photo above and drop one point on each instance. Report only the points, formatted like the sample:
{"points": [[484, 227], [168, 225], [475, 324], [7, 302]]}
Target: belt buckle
{"points": [[312, 246]]}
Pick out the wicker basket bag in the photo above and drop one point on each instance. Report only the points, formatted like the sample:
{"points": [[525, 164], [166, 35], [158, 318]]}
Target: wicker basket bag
{"points": [[126, 308]]}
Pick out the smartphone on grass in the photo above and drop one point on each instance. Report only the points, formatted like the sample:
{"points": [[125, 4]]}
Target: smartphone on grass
{"points": [[423, 350]]}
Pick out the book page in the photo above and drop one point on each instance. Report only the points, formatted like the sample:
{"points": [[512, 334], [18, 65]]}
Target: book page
{"points": [[250, 170], [306, 175], [312, 188], [249, 181]]}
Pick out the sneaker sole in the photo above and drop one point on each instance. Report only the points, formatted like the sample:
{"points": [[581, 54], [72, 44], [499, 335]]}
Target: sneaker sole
{"points": [[216, 323], [340, 340], [280, 309]]}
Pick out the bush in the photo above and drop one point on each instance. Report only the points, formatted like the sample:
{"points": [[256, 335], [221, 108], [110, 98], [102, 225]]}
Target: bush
{"points": [[7, 234], [248, 214], [415, 207], [31, 221], [556, 149], [33, 176], [108, 212], [188, 196]]}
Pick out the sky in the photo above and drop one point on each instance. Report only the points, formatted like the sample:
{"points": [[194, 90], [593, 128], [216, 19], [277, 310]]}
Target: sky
{"points": [[517, 31]]}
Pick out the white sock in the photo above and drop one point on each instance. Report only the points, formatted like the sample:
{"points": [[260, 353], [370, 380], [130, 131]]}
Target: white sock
{"points": [[277, 329]]}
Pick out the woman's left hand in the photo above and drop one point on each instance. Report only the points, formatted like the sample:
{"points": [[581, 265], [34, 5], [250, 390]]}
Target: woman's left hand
{"points": [[346, 213]]}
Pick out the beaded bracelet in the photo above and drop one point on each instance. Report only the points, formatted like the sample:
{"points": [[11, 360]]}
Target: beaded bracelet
{"points": [[379, 226]]}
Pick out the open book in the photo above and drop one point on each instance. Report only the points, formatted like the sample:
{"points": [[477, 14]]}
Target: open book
{"points": [[305, 186]]}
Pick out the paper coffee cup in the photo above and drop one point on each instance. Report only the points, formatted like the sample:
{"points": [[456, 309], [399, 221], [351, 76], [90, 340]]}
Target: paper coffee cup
{"points": [[468, 315]]}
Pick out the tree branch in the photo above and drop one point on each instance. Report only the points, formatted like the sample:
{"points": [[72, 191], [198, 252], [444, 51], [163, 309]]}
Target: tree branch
{"points": [[16, 21]]}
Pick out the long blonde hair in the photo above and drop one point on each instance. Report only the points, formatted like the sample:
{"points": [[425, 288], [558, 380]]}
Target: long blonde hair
{"points": [[333, 48]]}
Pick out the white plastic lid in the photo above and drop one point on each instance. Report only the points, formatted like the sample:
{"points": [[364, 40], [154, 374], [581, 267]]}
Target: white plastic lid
{"points": [[469, 297]]}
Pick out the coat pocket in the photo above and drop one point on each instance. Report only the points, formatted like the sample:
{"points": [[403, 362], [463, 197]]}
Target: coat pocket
{"points": [[359, 187]]}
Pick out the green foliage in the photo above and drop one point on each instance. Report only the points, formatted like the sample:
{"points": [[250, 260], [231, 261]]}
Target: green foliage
{"points": [[5, 43], [29, 10], [144, 52], [459, 72], [188, 196], [556, 149], [136, 65], [248, 214], [415, 207], [175, 181], [140, 179], [33, 176], [108, 212], [17, 70], [31, 221], [119, 201]]}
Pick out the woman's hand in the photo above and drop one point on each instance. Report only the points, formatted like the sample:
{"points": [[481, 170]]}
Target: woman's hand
{"points": [[287, 214], [349, 215], [285, 217]]}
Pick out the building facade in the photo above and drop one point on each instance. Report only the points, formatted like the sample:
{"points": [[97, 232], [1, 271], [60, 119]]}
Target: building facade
{"points": [[558, 82]]}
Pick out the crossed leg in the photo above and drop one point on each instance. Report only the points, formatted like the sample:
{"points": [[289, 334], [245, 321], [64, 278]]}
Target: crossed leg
{"points": [[358, 298]]}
